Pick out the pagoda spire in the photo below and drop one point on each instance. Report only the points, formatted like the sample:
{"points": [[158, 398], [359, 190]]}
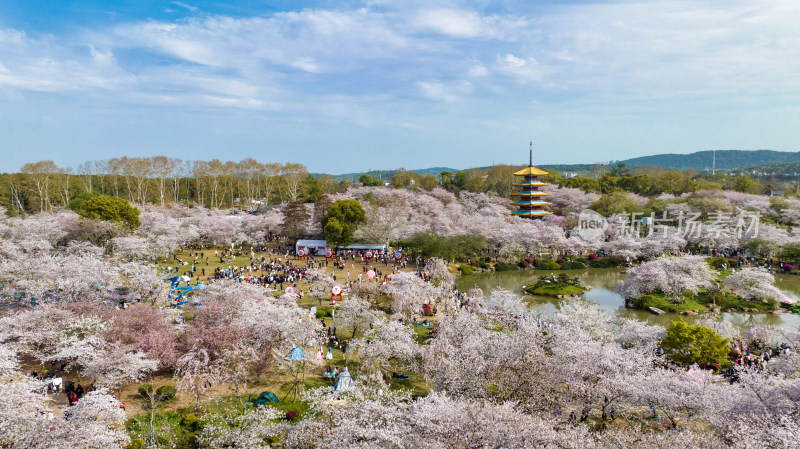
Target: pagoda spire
{"points": [[529, 199]]}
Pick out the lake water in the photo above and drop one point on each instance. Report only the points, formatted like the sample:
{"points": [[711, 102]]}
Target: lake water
{"points": [[604, 282]]}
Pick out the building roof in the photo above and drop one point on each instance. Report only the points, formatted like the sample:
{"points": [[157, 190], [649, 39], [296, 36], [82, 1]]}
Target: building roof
{"points": [[531, 193], [530, 171], [531, 183], [532, 212]]}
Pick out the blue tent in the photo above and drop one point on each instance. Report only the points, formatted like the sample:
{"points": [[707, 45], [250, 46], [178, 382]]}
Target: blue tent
{"points": [[296, 354]]}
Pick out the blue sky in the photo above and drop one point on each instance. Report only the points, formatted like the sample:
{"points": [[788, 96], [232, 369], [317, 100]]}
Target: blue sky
{"points": [[352, 85]]}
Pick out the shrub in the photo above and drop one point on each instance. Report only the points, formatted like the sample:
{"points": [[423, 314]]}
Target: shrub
{"points": [[592, 256], [523, 264], [546, 264], [607, 263], [136, 443], [466, 269], [166, 392], [561, 261], [718, 262], [322, 313], [686, 343], [573, 266], [190, 422], [788, 267], [484, 265], [504, 266], [145, 390]]}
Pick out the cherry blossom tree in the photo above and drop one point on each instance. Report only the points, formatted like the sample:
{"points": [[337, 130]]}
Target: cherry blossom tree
{"points": [[196, 372], [355, 314], [668, 275], [389, 346], [753, 284]]}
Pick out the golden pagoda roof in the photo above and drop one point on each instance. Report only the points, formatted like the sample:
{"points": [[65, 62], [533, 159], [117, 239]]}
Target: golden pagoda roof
{"points": [[530, 171]]}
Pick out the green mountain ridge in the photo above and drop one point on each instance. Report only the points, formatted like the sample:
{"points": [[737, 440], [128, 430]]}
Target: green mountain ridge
{"points": [[725, 159]]}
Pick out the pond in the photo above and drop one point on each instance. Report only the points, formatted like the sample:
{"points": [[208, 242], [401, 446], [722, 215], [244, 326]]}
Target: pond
{"points": [[604, 282]]}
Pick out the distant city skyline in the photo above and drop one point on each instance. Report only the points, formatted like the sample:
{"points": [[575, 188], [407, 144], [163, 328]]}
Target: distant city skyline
{"points": [[348, 86]]}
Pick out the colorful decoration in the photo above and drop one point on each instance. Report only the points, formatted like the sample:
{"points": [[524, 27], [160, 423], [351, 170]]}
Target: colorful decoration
{"points": [[336, 293]]}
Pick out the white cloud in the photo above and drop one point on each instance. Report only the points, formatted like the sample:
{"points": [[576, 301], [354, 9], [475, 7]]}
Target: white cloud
{"points": [[187, 6], [436, 90], [375, 55], [478, 70], [524, 69], [461, 23]]}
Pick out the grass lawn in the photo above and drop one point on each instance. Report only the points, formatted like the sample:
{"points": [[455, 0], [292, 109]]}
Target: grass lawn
{"points": [[179, 416], [556, 290]]}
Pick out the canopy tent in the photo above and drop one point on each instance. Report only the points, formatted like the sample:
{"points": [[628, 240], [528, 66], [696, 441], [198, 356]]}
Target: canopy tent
{"points": [[344, 381], [319, 246], [375, 247]]}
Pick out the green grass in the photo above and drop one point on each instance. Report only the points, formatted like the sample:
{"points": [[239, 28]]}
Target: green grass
{"points": [[422, 333], [555, 290]]}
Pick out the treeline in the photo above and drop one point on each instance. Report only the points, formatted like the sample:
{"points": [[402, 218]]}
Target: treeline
{"points": [[605, 179], [42, 185], [650, 181]]}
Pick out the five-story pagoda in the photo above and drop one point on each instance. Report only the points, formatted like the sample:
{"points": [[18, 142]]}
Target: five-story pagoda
{"points": [[529, 200]]}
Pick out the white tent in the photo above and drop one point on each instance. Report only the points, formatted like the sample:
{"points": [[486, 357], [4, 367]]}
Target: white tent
{"points": [[344, 381], [318, 245]]}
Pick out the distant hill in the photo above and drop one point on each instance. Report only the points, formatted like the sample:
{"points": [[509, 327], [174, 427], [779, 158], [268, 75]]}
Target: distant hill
{"points": [[726, 159], [386, 174], [787, 169], [767, 161]]}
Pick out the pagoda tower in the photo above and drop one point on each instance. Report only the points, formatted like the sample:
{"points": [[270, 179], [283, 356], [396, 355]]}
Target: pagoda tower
{"points": [[529, 200]]}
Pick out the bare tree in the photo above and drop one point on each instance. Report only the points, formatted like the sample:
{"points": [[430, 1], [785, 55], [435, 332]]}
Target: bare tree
{"points": [[248, 171], [293, 176], [200, 172], [103, 170], [162, 168], [270, 173], [41, 173], [141, 169], [64, 177], [14, 186], [179, 170], [86, 172]]}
